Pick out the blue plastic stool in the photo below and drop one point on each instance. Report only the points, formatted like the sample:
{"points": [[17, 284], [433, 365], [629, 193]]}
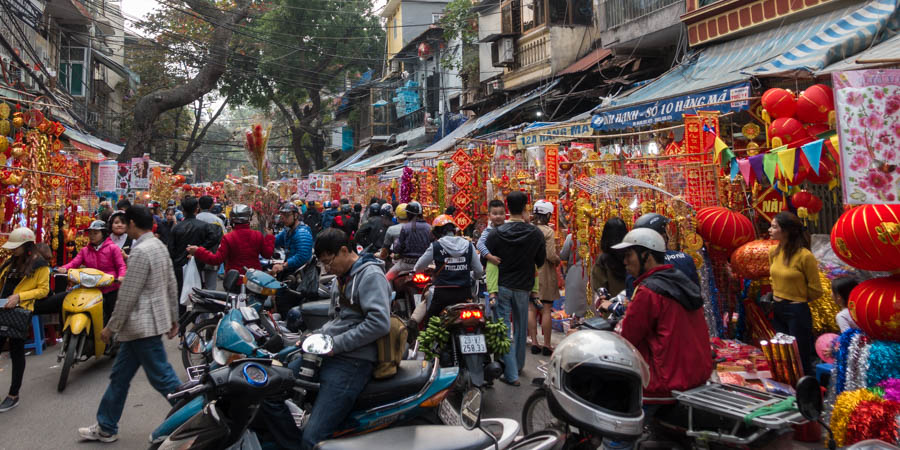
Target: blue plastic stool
{"points": [[37, 328], [823, 373]]}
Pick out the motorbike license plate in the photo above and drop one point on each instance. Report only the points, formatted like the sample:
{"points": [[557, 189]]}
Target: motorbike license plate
{"points": [[195, 372], [417, 298], [472, 343]]}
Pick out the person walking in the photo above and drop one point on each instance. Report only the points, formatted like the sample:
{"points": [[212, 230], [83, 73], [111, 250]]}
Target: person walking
{"points": [[190, 231], [164, 230], [576, 278], [548, 282], [209, 272], [608, 271], [241, 248], [25, 277], [146, 309], [520, 247]]}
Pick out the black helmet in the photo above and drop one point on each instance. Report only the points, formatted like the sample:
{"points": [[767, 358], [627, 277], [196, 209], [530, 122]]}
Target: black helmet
{"points": [[374, 210], [241, 214], [414, 208], [294, 320], [289, 207], [653, 221]]}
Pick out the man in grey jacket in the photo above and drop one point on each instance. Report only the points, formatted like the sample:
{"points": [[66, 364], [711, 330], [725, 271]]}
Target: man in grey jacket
{"points": [[146, 309], [360, 314]]}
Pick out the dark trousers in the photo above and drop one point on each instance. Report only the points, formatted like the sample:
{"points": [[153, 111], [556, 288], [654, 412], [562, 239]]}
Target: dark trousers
{"points": [[795, 319], [179, 280], [17, 355], [444, 297]]}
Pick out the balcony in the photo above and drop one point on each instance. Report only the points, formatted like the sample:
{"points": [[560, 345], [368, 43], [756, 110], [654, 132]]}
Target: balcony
{"points": [[411, 121], [532, 52], [619, 12]]}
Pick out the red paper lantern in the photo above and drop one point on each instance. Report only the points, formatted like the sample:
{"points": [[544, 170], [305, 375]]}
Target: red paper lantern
{"points": [[724, 229], [827, 171], [788, 129], [816, 129], [875, 307], [779, 103], [815, 103], [805, 199], [868, 237], [751, 260]]}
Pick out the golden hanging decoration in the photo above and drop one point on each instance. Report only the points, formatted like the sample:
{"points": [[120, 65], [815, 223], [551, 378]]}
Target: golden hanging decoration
{"points": [[824, 309]]}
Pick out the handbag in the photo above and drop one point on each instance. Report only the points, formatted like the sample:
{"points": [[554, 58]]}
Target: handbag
{"points": [[15, 322]]}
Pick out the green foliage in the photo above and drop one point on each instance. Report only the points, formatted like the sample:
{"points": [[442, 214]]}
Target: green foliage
{"points": [[461, 25]]}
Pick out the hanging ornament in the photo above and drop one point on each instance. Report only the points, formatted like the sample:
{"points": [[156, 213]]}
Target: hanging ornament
{"points": [[875, 306], [779, 103], [814, 104], [868, 237], [751, 260], [724, 229], [788, 130]]}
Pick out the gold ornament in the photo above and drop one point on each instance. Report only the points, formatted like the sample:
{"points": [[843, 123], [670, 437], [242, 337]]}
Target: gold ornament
{"points": [[4, 110], [5, 127], [18, 150], [18, 120], [692, 242]]}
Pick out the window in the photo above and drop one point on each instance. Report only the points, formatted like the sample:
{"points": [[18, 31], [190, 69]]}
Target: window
{"points": [[571, 12], [510, 13], [72, 69], [534, 14], [436, 18]]}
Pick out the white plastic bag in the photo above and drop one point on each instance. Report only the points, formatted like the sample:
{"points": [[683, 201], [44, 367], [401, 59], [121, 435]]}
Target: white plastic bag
{"points": [[191, 280]]}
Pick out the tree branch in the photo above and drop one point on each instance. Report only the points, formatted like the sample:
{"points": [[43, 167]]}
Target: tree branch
{"points": [[196, 143]]}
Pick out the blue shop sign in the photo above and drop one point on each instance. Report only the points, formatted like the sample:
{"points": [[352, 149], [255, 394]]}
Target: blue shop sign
{"points": [[673, 109]]}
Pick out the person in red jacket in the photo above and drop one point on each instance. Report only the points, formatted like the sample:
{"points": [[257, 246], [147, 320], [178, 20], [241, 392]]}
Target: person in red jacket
{"points": [[241, 247], [664, 319]]}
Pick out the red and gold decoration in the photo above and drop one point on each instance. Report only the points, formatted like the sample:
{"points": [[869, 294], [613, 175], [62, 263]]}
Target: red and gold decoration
{"points": [[868, 237], [779, 103], [875, 307], [751, 260], [808, 205], [255, 143], [815, 104], [723, 229]]}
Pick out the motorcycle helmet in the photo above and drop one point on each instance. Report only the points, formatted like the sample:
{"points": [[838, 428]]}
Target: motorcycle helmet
{"points": [[642, 237], [294, 320], [153, 204], [543, 207], [413, 208], [288, 208], [387, 210], [98, 225], [441, 220], [374, 210], [401, 211], [653, 221], [241, 214], [327, 204], [596, 381]]}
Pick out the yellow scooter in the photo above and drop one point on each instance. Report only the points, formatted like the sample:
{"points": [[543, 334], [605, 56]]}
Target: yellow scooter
{"points": [[82, 316]]}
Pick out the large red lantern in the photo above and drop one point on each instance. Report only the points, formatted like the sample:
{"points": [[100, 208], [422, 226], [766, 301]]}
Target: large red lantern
{"points": [[805, 199], [827, 171], [788, 129], [815, 103], [779, 103], [868, 237], [875, 307], [751, 260], [723, 229], [816, 129]]}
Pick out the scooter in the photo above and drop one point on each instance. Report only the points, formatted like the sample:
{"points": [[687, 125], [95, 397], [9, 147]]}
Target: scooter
{"points": [[82, 316]]}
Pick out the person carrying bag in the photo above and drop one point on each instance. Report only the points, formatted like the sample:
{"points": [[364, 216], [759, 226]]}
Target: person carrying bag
{"points": [[25, 277]]}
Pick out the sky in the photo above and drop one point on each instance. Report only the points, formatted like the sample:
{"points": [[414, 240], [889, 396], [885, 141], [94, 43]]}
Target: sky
{"points": [[138, 8]]}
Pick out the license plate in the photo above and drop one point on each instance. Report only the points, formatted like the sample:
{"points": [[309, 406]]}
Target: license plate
{"points": [[472, 343], [448, 414], [195, 372], [417, 298]]}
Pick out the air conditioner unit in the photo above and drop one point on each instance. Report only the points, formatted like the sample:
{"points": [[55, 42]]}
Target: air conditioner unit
{"points": [[507, 54]]}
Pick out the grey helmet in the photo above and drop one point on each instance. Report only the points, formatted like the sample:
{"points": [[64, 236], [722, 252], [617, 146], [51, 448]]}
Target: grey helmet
{"points": [[241, 214], [596, 381], [414, 208], [98, 225]]}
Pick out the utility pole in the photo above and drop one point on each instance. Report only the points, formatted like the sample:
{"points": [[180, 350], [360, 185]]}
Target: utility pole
{"points": [[439, 81]]}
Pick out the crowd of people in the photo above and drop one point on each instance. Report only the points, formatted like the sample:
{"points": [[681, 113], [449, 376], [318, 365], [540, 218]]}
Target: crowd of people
{"points": [[146, 249]]}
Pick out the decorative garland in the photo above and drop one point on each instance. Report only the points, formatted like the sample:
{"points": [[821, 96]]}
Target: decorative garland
{"points": [[441, 186], [406, 185], [842, 357], [883, 363]]}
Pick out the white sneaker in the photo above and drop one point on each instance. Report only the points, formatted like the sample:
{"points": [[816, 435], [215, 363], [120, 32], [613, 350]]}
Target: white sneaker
{"points": [[94, 433]]}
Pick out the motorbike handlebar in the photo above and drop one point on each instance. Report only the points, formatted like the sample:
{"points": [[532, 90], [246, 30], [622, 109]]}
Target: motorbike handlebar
{"points": [[200, 388]]}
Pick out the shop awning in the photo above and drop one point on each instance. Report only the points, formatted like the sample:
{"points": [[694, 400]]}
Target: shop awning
{"points": [[374, 161], [473, 125], [873, 57], [587, 62], [87, 142], [352, 159], [809, 44]]}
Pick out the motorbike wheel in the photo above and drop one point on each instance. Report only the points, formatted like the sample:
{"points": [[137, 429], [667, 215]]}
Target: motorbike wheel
{"points": [[536, 414], [72, 346], [205, 330]]}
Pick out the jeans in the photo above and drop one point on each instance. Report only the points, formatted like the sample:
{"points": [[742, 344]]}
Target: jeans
{"points": [[342, 380], [514, 302], [795, 319], [147, 352], [17, 355], [210, 278]]}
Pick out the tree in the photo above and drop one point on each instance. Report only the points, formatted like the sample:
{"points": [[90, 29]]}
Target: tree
{"points": [[461, 28], [219, 27], [304, 50]]}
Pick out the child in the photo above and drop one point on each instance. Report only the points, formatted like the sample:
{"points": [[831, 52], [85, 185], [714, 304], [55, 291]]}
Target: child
{"points": [[840, 291]]}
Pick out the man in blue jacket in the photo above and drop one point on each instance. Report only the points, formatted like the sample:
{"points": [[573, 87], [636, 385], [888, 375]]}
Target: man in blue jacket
{"points": [[297, 242]]}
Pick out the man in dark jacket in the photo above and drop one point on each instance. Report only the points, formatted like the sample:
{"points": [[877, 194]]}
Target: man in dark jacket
{"points": [[665, 318], [371, 234], [312, 218], [190, 231], [332, 210], [415, 237], [521, 249]]}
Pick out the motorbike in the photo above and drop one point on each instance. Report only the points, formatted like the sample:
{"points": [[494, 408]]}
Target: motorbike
{"points": [[467, 347], [409, 289], [82, 317], [216, 410]]}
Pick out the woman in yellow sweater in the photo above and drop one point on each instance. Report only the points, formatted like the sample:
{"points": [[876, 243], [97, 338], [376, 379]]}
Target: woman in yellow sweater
{"points": [[795, 282], [25, 277]]}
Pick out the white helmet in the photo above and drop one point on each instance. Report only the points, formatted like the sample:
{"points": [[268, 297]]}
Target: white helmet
{"points": [[643, 237], [596, 381], [18, 237], [543, 207]]}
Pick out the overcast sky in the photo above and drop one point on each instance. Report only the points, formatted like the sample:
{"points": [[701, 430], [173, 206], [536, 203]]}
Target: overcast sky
{"points": [[137, 8]]}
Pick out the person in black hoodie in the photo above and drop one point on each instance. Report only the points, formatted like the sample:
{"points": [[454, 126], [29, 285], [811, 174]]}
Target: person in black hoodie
{"points": [[521, 249], [190, 231]]}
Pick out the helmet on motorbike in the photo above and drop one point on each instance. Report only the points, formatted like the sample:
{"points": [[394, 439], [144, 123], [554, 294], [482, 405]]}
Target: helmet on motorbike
{"points": [[401, 212], [387, 210], [374, 210], [153, 204], [413, 208], [596, 381], [653, 221], [288, 208], [642, 237], [327, 204], [543, 207], [241, 213], [294, 320]]}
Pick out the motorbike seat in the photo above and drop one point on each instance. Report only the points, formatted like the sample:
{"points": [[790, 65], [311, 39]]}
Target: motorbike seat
{"points": [[431, 437], [316, 308], [215, 295], [411, 377]]}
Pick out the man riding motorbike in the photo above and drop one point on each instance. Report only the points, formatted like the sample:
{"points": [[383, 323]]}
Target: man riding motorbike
{"points": [[297, 242], [414, 239], [241, 248], [371, 234], [664, 319]]}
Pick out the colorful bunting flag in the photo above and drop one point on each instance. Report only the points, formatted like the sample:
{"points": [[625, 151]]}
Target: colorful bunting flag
{"points": [[746, 171], [770, 160], [756, 162], [734, 168], [813, 153], [719, 145], [786, 162]]}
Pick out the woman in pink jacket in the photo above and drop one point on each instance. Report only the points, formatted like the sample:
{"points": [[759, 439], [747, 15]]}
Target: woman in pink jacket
{"points": [[104, 255]]}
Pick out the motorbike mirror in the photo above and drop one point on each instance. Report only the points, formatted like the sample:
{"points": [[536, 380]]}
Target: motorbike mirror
{"points": [[809, 398], [318, 344], [470, 409], [194, 343], [230, 283]]}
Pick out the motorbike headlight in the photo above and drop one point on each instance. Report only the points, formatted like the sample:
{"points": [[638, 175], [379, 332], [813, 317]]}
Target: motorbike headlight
{"points": [[242, 331], [89, 280], [223, 357]]}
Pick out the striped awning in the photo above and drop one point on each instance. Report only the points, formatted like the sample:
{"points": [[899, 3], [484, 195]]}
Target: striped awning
{"points": [[885, 51], [809, 44]]}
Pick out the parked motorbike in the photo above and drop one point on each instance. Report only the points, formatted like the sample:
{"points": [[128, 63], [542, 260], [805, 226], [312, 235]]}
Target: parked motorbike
{"points": [[82, 317]]}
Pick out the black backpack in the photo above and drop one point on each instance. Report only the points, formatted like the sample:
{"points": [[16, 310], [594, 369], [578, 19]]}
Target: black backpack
{"points": [[371, 234]]}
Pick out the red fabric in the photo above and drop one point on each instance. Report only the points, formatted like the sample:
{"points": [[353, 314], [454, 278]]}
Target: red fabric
{"points": [[108, 259], [673, 341], [240, 248]]}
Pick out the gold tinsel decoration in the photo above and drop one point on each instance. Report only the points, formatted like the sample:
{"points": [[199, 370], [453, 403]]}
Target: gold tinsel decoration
{"points": [[824, 310]]}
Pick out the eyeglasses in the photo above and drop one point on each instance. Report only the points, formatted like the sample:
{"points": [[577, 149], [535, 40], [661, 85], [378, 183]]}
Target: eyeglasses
{"points": [[326, 263]]}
